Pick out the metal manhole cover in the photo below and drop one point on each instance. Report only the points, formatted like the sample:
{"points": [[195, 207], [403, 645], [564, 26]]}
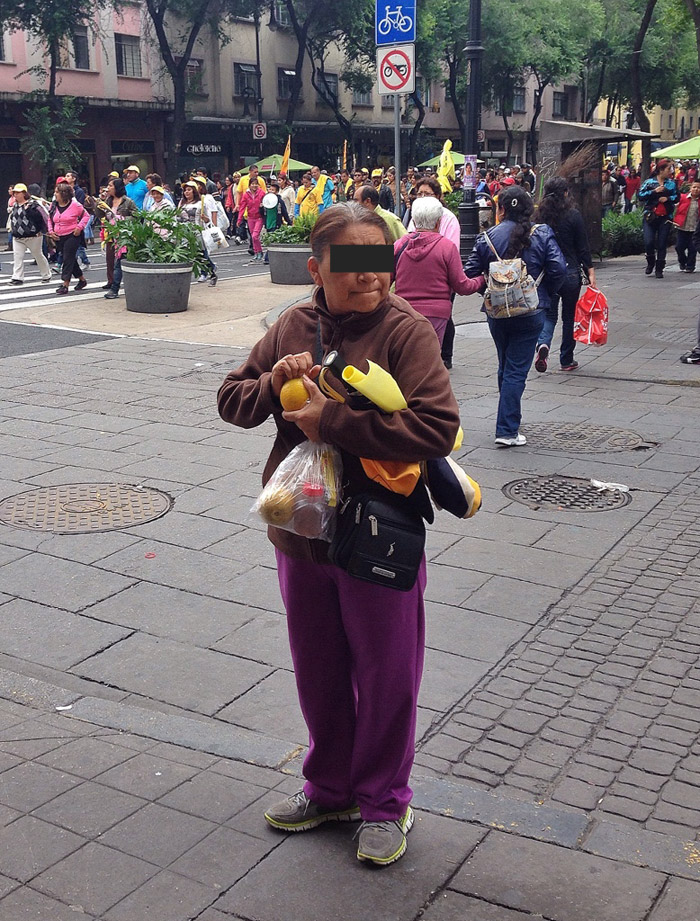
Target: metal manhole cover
{"points": [[564, 492], [583, 437], [80, 508]]}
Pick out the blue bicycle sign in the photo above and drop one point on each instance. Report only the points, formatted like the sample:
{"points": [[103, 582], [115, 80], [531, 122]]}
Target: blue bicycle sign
{"points": [[395, 24]]}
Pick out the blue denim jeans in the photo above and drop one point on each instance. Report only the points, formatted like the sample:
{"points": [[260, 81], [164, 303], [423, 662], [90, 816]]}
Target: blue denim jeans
{"points": [[117, 275], [568, 295], [515, 339], [656, 240]]}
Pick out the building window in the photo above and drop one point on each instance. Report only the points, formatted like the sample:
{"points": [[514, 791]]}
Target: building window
{"points": [[360, 98], [519, 100], [423, 91], [560, 107], [328, 91], [128, 52], [2, 47], [387, 101], [690, 123], [245, 81], [194, 76], [285, 79], [81, 49], [670, 122], [282, 14]]}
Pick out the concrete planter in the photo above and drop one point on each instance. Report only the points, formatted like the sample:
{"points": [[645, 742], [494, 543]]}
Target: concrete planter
{"points": [[288, 263], [157, 287]]}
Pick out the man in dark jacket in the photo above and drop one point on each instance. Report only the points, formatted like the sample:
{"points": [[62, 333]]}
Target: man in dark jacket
{"points": [[28, 225]]}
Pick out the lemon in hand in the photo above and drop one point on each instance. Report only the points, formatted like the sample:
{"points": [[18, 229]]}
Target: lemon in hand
{"points": [[293, 394]]}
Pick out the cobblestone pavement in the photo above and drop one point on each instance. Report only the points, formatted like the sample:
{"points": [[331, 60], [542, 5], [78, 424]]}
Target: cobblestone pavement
{"points": [[147, 703], [599, 707]]}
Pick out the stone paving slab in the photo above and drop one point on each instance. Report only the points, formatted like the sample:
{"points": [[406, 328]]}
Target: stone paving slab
{"points": [[333, 877], [556, 883]]}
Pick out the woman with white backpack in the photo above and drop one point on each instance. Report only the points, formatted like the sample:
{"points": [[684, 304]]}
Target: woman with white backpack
{"points": [[524, 267]]}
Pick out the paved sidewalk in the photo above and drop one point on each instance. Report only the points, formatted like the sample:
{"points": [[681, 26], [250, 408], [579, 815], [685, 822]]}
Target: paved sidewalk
{"points": [[147, 703]]}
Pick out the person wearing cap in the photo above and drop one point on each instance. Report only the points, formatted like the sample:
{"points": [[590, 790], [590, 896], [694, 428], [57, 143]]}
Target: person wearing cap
{"points": [[208, 200], [202, 171], [386, 199], [154, 179], [195, 211], [28, 225], [136, 188]]}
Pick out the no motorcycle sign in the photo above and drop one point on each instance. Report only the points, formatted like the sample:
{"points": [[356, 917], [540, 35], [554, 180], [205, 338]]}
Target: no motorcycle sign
{"points": [[396, 69]]}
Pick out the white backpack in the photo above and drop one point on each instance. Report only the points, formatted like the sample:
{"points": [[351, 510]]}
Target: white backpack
{"points": [[510, 290]]}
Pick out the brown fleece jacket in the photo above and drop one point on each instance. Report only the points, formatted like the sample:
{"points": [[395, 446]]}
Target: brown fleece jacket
{"points": [[395, 337]]}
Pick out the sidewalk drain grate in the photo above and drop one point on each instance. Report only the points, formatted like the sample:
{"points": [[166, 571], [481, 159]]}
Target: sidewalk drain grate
{"points": [[564, 492], [582, 437], [82, 508]]}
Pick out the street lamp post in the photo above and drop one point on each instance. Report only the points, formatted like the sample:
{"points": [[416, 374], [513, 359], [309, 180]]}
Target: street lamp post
{"points": [[468, 208], [258, 71]]}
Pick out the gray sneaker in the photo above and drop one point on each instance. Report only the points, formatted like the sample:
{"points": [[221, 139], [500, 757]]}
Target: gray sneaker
{"points": [[299, 813], [384, 842]]}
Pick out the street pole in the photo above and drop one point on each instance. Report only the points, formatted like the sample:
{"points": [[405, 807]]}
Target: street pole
{"points": [[468, 208], [397, 153], [258, 71]]}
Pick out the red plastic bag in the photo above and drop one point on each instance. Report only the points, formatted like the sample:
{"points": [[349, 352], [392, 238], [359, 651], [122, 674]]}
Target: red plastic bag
{"points": [[591, 317]]}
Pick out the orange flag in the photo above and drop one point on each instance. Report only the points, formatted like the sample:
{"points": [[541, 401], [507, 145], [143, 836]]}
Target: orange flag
{"points": [[284, 168], [345, 154]]}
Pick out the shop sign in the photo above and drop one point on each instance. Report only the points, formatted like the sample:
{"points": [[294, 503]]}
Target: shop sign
{"points": [[197, 150], [133, 147]]}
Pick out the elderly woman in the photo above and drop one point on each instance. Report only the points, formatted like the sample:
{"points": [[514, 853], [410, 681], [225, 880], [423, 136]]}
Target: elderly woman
{"points": [[357, 647], [28, 225], [428, 267], [67, 221]]}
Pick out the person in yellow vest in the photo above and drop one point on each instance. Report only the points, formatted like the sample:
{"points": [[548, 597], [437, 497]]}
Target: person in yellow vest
{"points": [[324, 188], [307, 201]]}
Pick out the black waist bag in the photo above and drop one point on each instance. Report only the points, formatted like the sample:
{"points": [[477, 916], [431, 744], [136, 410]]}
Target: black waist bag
{"points": [[379, 540]]}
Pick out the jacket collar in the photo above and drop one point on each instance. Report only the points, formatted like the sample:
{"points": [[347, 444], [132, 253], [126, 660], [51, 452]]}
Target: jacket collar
{"points": [[355, 321]]}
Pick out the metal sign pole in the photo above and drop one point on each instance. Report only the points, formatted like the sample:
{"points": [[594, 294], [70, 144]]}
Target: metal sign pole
{"points": [[397, 154]]}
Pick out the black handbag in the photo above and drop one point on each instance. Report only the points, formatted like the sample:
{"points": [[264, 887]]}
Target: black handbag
{"points": [[379, 539]]}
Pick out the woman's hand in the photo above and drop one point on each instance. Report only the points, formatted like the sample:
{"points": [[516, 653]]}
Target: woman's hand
{"points": [[308, 418], [591, 276], [53, 235], [77, 232], [292, 366]]}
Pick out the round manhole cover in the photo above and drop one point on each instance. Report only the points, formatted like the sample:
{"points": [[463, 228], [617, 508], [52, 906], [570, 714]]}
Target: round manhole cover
{"points": [[583, 437], [564, 492], [79, 508]]}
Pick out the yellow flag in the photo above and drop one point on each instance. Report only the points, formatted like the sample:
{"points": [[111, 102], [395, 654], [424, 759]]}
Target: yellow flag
{"points": [[446, 168], [284, 168]]}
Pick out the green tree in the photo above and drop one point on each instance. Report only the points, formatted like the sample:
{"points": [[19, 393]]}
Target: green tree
{"points": [[49, 132], [556, 42], [53, 26], [177, 25]]}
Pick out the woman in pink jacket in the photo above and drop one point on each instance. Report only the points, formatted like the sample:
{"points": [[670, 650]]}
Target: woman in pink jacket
{"points": [[252, 201], [428, 267], [67, 221]]}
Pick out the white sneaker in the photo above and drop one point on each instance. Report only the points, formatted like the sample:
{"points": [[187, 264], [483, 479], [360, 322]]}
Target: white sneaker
{"points": [[516, 441]]}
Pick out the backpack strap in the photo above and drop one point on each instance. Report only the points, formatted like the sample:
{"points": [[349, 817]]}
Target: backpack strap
{"points": [[490, 243]]}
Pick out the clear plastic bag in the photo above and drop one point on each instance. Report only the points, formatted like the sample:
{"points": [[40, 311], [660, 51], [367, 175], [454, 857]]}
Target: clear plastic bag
{"points": [[302, 494]]}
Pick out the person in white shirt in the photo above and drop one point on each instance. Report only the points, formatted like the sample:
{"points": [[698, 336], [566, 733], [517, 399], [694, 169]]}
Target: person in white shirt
{"points": [[287, 192]]}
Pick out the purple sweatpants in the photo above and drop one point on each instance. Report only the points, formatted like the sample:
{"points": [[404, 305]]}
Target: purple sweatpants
{"points": [[358, 651]]}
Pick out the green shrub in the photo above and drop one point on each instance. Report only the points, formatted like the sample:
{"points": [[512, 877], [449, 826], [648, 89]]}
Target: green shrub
{"points": [[622, 234], [452, 200], [298, 232], [157, 236]]}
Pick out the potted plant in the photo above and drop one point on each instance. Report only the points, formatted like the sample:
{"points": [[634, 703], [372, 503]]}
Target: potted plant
{"points": [[161, 252], [288, 251]]}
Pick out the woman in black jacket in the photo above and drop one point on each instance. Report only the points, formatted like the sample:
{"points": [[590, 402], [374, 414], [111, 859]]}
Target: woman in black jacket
{"points": [[557, 209]]}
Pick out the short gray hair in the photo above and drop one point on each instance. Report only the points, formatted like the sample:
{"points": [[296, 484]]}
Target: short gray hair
{"points": [[426, 213]]}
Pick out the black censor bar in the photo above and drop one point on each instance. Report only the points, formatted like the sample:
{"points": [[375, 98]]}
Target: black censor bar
{"points": [[362, 258]]}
